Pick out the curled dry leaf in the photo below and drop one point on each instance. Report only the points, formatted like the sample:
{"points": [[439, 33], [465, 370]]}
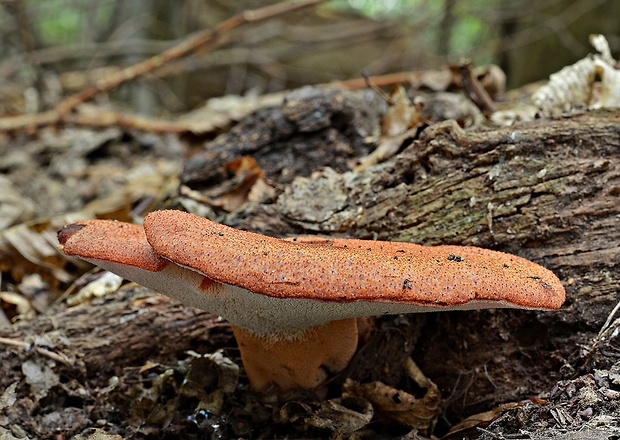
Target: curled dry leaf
{"points": [[399, 406], [105, 284], [23, 308], [31, 248], [402, 114], [401, 122], [574, 84], [247, 184], [343, 415], [213, 371], [387, 148], [98, 434], [482, 419], [610, 85]]}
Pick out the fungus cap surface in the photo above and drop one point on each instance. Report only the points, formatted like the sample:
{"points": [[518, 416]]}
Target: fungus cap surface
{"points": [[110, 240], [352, 270], [278, 288]]}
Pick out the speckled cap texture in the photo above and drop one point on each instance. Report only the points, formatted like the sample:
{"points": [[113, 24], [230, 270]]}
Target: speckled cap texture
{"points": [[347, 270]]}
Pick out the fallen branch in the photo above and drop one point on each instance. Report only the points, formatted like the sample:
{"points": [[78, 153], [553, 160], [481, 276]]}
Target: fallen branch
{"points": [[204, 41]]}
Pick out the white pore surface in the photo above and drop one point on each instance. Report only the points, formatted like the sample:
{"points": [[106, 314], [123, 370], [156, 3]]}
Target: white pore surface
{"points": [[275, 318]]}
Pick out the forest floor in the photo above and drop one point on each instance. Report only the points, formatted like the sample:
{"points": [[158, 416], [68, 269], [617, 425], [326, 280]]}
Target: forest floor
{"points": [[81, 360]]}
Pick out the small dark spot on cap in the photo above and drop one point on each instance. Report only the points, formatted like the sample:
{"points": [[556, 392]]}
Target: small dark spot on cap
{"points": [[396, 398], [406, 284], [542, 283], [456, 258]]}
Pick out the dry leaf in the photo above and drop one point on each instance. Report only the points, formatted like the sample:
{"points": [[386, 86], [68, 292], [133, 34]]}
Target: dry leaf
{"points": [[219, 113], [224, 371], [402, 114], [610, 85], [31, 248], [23, 308], [36, 291], [574, 84], [147, 187], [40, 377], [203, 381], [401, 122], [98, 434], [397, 405], [9, 396], [343, 415], [247, 184], [482, 419], [14, 207], [104, 285], [388, 147]]}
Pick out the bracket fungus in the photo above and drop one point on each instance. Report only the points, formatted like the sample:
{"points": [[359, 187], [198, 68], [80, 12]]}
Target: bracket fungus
{"points": [[293, 303]]}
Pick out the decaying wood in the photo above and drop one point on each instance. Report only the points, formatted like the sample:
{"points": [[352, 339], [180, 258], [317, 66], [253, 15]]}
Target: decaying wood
{"points": [[547, 190], [108, 334]]}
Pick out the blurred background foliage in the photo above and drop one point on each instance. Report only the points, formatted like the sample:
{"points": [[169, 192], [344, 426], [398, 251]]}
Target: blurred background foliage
{"points": [[54, 48]]}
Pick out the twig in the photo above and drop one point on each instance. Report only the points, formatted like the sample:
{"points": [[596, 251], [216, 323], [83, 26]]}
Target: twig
{"points": [[205, 38], [608, 322], [388, 80], [58, 357], [474, 89], [105, 118], [55, 54], [371, 84]]}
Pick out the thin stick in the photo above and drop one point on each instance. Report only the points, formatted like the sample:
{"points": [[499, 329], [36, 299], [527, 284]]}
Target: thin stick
{"points": [[207, 38], [58, 357]]}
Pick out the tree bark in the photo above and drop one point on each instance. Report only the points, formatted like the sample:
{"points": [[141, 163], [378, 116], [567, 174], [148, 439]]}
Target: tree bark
{"points": [[547, 190]]}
